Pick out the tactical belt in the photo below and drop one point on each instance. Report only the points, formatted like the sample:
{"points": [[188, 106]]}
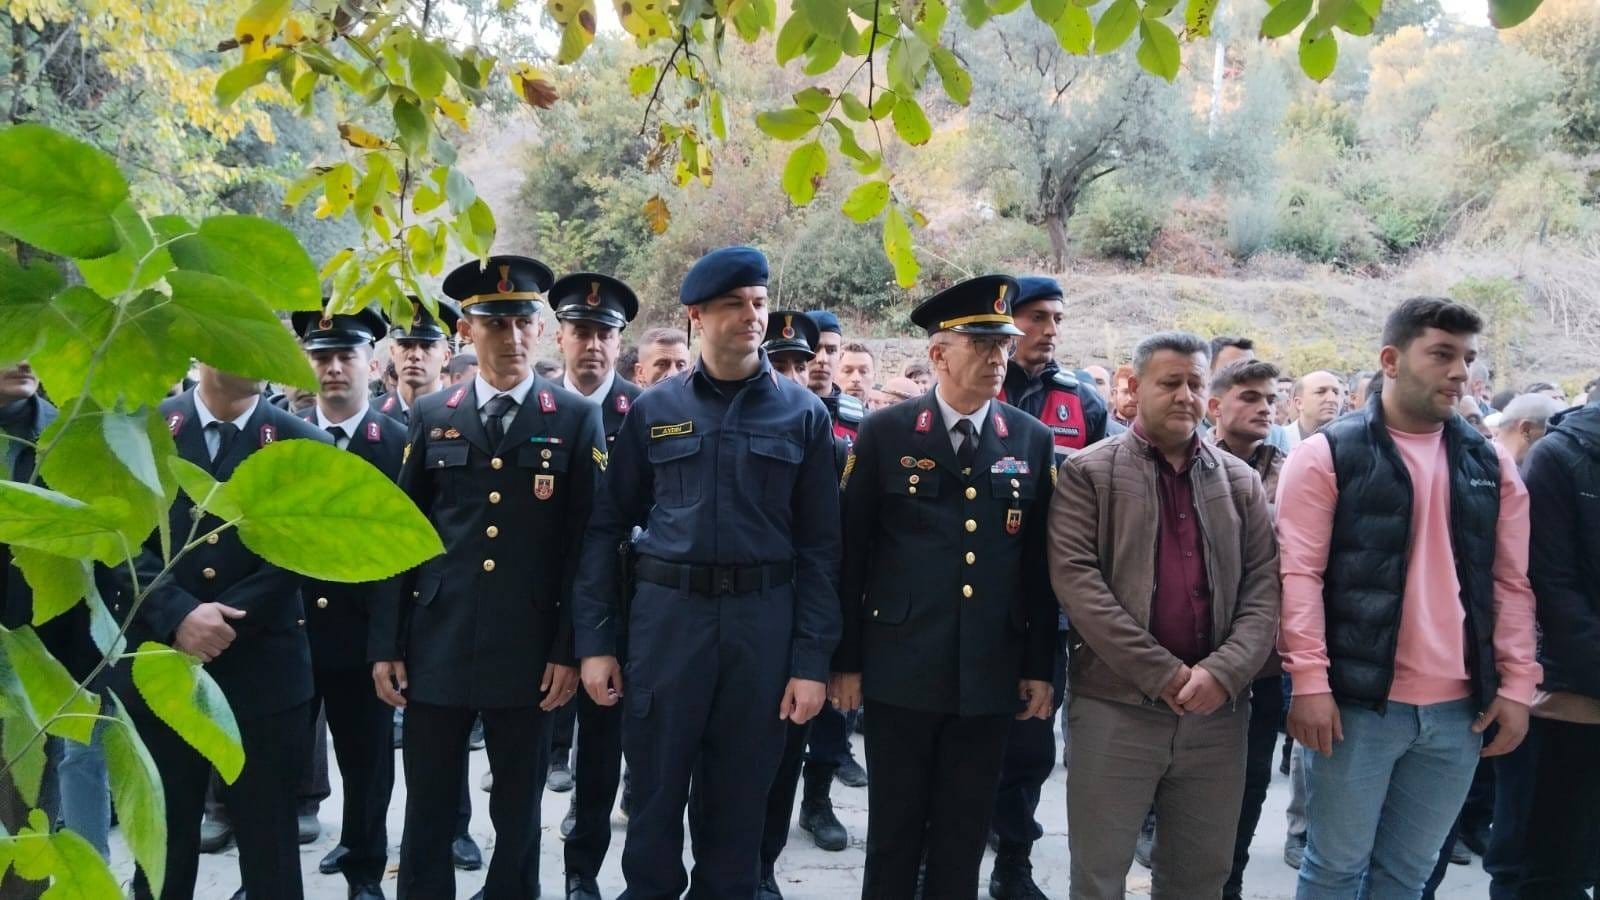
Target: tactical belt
{"points": [[713, 581]]}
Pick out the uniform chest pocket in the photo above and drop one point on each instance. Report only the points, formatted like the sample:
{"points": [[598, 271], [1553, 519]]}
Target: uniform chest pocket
{"points": [[910, 495], [447, 455], [775, 466], [675, 468], [1013, 487], [546, 458]]}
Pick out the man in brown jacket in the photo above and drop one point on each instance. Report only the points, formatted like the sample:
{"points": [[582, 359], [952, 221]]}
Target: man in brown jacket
{"points": [[1162, 553]]}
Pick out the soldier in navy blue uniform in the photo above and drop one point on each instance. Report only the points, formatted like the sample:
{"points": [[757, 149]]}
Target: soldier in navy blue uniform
{"points": [[592, 310], [949, 619], [505, 467], [419, 351], [338, 616], [735, 614], [243, 617], [1076, 416]]}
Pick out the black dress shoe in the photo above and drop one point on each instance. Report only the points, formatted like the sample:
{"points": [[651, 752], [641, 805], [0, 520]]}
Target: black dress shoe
{"points": [[215, 835], [582, 887], [310, 827], [850, 774], [1014, 881], [768, 889], [464, 853], [366, 892], [570, 820], [827, 832], [330, 863], [1459, 854], [560, 777]]}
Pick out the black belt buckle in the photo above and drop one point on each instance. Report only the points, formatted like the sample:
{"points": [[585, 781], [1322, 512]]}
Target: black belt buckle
{"points": [[723, 580]]}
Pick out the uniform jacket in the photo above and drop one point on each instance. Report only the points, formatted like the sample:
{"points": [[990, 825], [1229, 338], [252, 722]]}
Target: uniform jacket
{"points": [[267, 669], [944, 589], [1562, 472], [477, 625], [1070, 407], [389, 404], [745, 481], [614, 407], [1102, 562], [846, 412], [338, 616]]}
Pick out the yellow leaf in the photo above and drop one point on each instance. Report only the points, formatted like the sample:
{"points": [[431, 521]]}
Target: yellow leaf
{"points": [[293, 33], [577, 21], [356, 136], [657, 214], [454, 109], [531, 85], [260, 22], [643, 19]]}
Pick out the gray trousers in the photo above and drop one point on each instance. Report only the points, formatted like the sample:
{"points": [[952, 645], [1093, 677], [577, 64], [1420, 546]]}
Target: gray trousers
{"points": [[1123, 760]]}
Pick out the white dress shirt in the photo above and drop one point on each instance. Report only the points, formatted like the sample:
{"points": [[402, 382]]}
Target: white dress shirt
{"points": [[206, 417], [349, 425], [600, 393], [951, 417], [487, 392]]}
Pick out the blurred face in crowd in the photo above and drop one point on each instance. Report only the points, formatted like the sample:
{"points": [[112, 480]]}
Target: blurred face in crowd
{"points": [[923, 380], [1556, 394], [970, 367], [1102, 380], [225, 387], [1425, 381], [1244, 414], [419, 364], [1172, 396], [17, 383], [855, 374], [732, 325], [790, 365], [819, 372], [589, 351], [1473, 413], [467, 373], [1040, 322], [658, 361], [1123, 401], [504, 345], [1518, 436], [342, 375], [1227, 356], [1320, 401]]}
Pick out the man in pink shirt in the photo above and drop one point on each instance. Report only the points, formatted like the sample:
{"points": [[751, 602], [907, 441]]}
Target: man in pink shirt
{"points": [[1407, 620]]}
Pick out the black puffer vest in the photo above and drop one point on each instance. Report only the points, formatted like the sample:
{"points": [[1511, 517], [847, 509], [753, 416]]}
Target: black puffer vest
{"points": [[1364, 587]]}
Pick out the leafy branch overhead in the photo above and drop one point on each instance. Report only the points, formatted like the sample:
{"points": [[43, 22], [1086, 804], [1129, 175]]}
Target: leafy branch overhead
{"points": [[869, 63]]}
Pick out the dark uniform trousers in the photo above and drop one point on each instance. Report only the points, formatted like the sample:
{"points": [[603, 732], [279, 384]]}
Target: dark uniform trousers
{"points": [[597, 774], [1030, 755], [361, 725], [265, 674]]}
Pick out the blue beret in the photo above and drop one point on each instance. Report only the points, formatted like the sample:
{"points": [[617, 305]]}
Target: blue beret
{"points": [[1036, 287], [826, 320], [723, 271]]}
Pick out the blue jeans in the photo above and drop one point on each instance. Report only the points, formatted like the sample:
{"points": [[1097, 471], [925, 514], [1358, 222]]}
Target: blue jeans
{"points": [[1381, 805], [85, 790]]}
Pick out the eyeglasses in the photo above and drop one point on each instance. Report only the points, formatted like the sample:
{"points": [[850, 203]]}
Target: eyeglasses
{"points": [[988, 345]]}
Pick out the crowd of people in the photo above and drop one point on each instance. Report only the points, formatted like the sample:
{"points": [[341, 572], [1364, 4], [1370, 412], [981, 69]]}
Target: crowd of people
{"points": [[690, 577]]}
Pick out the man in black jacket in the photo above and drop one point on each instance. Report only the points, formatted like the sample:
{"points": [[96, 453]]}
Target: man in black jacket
{"points": [[949, 618], [338, 615], [1546, 833], [242, 616]]}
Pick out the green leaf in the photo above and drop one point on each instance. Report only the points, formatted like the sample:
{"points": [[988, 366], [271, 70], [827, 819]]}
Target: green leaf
{"points": [[458, 189], [908, 60], [1197, 15], [1004, 7], [141, 362], [99, 454], [25, 756], [976, 12], [788, 124], [794, 37], [883, 105], [1048, 11], [231, 328], [823, 54], [188, 700], [137, 795], [1285, 17], [641, 79], [1318, 56], [1511, 13], [58, 194], [104, 631], [813, 100], [1116, 25], [263, 257], [718, 117], [428, 68], [58, 582], [114, 273], [1158, 49], [911, 123], [32, 516], [46, 685], [73, 867], [232, 84], [411, 127], [827, 17], [204, 491], [897, 246], [25, 295], [867, 200], [1356, 21], [803, 172], [127, 435], [475, 228], [853, 107], [847, 141], [957, 83], [1075, 30], [317, 510]]}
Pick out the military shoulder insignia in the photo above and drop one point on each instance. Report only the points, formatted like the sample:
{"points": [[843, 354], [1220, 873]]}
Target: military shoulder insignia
{"points": [[174, 423], [373, 434], [599, 458], [387, 404], [849, 466], [1065, 379], [665, 431], [622, 403], [268, 434], [1000, 425], [547, 402], [924, 421], [455, 398]]}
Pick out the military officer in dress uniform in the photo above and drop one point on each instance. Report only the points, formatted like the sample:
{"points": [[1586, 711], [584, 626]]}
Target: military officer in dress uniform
{"points": [[592, 310], [419, 352], [735, 614], [338, 616], [1076, 415], [845, 410], [242, 616], [949, 616], [505, 468]]}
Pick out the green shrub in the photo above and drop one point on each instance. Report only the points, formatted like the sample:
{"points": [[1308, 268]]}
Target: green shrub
{"points": [[1250, 224], [1120, 223], [1317, 225]]}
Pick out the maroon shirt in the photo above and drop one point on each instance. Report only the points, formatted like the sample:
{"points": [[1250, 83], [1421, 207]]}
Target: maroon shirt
{"points": [[1180, 611]]}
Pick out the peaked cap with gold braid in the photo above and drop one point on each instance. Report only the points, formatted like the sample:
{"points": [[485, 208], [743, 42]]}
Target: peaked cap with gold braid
{"points": [[504, 286]]}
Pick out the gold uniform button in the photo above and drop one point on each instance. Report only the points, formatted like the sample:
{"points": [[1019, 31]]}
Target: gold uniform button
{"points": [[912, 489], [492, 531], [971, 557], [544, 454], [874, 614], [1016, 494], [972, 493], [494, 496], [488, 565], [1016, 483], [914, 479], [544, 465], [966, 590], [496, 463], [208, 573], [972, 525], [322, 603], [212, 538]]}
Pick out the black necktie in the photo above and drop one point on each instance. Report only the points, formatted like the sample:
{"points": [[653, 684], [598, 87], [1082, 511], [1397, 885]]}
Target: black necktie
{"points": [[337, 433], [968, 448], [496, 409], [226, 432]]}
